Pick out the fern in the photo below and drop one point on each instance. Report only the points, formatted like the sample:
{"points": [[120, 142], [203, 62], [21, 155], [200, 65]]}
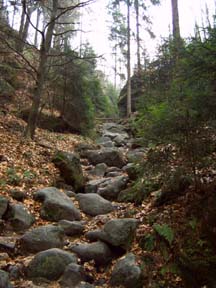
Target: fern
{"points": [[165, 231]]}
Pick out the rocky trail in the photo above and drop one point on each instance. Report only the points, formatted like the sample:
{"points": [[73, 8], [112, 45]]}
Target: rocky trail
{"points": [[82, 235]]}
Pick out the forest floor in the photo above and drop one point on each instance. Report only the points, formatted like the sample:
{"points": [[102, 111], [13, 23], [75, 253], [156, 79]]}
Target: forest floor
{"points": [[27, 166]]}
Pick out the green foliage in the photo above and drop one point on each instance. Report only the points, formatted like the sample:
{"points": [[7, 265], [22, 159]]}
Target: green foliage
{"points": [[12, 177], [165, 232]]}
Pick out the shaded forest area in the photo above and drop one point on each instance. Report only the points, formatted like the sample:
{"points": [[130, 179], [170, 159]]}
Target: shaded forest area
{"points": [[162, 188]]}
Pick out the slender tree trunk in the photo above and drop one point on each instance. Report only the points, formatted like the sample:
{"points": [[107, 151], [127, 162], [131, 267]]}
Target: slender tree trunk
{"points": [[22, 22], [37, 26], [136, 3], [128, 61], [41, 75], [176, 27]]}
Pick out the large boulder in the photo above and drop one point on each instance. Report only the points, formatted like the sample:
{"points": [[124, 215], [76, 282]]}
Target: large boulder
{"points": [[3, 205], [98, 251], [56, 205], [94, 204], [71, 228], [19, 217], [117, 232], [42, 238], [109, 156], [50, 264], [70, 169], [127, 273]]}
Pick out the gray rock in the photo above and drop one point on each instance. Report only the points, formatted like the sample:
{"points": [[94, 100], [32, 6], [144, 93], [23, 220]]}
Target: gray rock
{"points": [[127, 273], [8, 244], [121, 139], [3, 205], [113, 127], [4, 280], [92, 186], [109, 156], [19, 217], [42, 238], [94, 204], [18, 195], [136, 156], [132, 170], [56, 205], [50, 264], [105, 142], [117, 232], [70, 169], [98, 251], [113, 169], [99, 170], [113, 174], [81, 148], [113, 187], [71, 228], [72, 276]]}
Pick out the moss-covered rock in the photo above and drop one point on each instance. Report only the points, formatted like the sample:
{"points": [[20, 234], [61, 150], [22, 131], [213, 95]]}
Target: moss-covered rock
{"points": [[70, 169]]}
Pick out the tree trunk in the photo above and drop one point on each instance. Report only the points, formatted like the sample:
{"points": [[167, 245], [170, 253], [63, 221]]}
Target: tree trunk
{"points": [[41, 75], [37, 26], [128, 61], [176, 27], [136, 3]]}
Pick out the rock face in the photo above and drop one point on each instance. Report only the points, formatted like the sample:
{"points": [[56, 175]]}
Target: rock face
{"points": [[56, 205], [117, 232], [94, 204], [50, 264], [109, 156], [3, 205], [42, 238], [71, 228], [70, 169], [98, 251], [72, 276], [19, 218], [127, 273]]}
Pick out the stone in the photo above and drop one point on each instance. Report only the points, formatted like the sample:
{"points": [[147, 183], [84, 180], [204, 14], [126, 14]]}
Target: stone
{"points": [[94, 204], [4, 280], [121, 139], [99, 170], [41, 238], [72, 275], [132, 170], [3, 205], [8, 244], [56, 205], [50, 264], [71, 228], [113, 174], [127, 273], [116, 232], [98, 251], [70, 169], [19, 217], [113, 187], [92, 186], [105, 142], [136, 156], [18, 195], [81, 148], [109, 156], [113, 127], [85, 285]]}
